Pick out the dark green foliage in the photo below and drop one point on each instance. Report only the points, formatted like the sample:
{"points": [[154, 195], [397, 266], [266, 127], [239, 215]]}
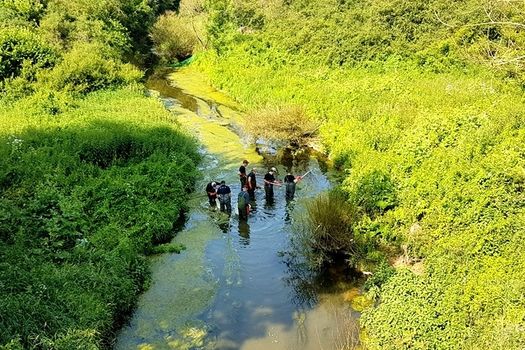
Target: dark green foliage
{"points": [[83, 198], [22, 51], [374, 193], [88, 186]]}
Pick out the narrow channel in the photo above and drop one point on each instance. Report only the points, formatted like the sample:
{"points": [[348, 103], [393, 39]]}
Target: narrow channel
{"points": [[232, 288]]}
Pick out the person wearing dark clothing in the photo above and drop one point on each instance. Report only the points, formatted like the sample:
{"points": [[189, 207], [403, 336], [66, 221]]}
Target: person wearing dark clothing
{"points": [[242, 172], [225, 198], [243, 204], [269, 181], [290, 182], [212, 193], [252, 183]]}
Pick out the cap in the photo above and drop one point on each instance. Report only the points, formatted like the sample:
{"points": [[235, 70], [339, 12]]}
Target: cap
{"points": [[273, 169]]}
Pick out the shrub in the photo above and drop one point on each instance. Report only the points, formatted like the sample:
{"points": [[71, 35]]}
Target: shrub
{"points": [[87, 68], [326, 233], [289, 123], [28, 11], [174, 37], [21, 48]]}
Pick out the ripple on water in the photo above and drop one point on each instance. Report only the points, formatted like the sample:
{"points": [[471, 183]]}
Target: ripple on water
{"points": [[229, 289]]}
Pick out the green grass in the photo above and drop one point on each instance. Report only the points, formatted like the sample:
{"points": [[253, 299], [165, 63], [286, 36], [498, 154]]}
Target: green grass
{"points": [[85, 195]]}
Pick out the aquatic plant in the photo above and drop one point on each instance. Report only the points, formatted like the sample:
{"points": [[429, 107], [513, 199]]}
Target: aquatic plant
{"points": [[326, 232]]}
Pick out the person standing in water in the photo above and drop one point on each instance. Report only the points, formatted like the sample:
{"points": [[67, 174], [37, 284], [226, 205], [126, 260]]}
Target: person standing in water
{"points": [[290, 182], [211, 191], [252, 183], [225, 199], [269, 181], [243, 204], [242, 172]]}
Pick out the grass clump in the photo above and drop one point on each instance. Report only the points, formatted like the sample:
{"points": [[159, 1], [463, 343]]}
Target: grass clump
{"points": [[289, 124], [326, 233]]}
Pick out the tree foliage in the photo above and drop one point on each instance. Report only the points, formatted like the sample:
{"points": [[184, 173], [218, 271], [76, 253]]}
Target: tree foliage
{"points": [[174, 37]]}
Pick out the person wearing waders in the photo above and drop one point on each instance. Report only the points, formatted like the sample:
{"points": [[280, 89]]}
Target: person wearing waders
{"points": [[290, 182], [242, 172], [212, 193], [269, 181], [252, 183], [225, 197], [243, 204]]}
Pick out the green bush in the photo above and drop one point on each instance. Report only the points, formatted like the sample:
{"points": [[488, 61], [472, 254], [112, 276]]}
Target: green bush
{"points": [[21, 50], [21, 11], [174, 37], [88, 68]]}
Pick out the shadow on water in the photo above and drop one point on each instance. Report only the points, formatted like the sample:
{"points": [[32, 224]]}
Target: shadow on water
{"points": [[232, 288]]}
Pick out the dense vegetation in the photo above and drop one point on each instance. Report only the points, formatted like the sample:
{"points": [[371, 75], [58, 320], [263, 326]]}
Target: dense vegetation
{"points": [[422, 105], [93, 174]]}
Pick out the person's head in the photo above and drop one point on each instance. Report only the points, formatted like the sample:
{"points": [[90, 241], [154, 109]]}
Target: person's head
{"points": [[245, 162], [273, 169], [254, 170], [213, 183], [223, 182]]}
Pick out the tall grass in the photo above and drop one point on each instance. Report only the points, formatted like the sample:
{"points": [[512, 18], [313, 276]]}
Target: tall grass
{"points": [[326, 232]]}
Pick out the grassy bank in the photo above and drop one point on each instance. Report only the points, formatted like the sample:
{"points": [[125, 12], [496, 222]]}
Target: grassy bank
{"points": [[433, 155], [85, 196], [93, 174]]}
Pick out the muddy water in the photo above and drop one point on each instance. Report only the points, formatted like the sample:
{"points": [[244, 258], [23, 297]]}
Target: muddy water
{"points": [[233, 288]]}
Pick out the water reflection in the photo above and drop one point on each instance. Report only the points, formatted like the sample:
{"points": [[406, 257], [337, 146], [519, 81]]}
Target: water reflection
{"points": [[288, 210], [244, 232], [230, 289], [269, 203], [224, 223]]}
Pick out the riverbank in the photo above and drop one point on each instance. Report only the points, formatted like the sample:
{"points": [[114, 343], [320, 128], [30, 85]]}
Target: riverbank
{"points": [[433, 160], [86, 195]]}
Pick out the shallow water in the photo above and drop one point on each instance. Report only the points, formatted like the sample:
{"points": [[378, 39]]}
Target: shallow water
{"points": [[232, 288]]}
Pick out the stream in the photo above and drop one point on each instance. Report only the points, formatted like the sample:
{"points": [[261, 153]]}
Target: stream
{"points": [[233, 287]]}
